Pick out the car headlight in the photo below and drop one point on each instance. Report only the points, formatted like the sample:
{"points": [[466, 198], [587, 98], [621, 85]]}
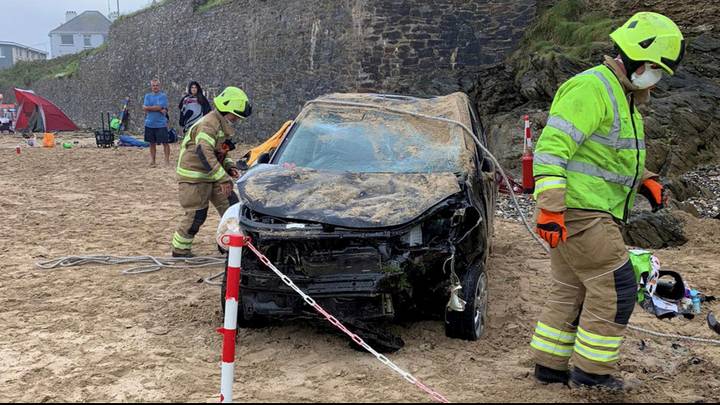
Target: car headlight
{"points": [[229, 223]]}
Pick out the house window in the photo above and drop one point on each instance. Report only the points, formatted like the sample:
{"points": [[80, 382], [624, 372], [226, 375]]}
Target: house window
{"points": [[2, 53], [67, 40], [87, 39]]}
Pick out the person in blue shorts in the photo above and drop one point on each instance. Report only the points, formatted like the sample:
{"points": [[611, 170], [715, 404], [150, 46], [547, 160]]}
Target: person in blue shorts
{"points": [[155, 106]]}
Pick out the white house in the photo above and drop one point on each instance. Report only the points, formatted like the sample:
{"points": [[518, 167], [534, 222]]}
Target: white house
{"points": [[79, 32], [11, 53]]}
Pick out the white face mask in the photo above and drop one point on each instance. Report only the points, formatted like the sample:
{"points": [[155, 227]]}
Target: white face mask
{"points": [[648, 78]]}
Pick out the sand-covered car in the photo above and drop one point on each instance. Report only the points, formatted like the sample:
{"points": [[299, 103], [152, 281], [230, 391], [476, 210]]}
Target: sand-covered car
{"points": [[378, 206]]}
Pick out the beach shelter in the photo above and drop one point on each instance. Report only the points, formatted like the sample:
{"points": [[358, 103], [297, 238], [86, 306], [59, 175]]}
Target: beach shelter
{"points": [[39, 115]]}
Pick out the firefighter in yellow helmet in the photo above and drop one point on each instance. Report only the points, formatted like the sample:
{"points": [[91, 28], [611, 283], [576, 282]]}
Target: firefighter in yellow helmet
{"points": [[589, 165], [204, 170]]}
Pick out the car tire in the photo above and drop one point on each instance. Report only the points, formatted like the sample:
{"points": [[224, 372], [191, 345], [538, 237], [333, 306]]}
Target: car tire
{"points": [[470, 324], [242, 323]]}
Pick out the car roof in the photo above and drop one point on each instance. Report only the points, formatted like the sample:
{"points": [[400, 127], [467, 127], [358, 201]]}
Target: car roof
{"points": [[453, 106]]}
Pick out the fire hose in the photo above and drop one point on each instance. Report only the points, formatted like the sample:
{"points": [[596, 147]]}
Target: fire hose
{"points": [[152, 263]]}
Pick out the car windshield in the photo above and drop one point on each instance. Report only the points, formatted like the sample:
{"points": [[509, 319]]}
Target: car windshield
{"points": [[372, 141]]}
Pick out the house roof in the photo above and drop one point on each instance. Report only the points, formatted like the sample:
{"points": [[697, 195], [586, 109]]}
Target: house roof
{"points": [[87, 22], [15, 44]]}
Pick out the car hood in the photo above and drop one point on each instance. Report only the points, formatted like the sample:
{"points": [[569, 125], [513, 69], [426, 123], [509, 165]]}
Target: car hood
{"points": [[352, 200]]}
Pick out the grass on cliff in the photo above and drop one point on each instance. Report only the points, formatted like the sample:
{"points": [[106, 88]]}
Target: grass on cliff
{"points": [[209, 4], [152, 6], [25, 74], [570, 28]]}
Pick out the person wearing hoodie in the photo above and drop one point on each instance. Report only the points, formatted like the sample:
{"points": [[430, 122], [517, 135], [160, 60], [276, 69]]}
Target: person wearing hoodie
{"points": [[193, 106]]}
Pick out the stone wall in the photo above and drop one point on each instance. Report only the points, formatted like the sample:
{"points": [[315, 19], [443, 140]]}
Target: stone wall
{"points": [[285, 52]]}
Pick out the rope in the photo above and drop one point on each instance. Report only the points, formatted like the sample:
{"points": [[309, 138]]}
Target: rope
{"points": [[152, 263], [671, 336]]}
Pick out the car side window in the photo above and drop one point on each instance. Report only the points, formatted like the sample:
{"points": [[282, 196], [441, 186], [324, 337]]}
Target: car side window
{"points": [[477, 127]]}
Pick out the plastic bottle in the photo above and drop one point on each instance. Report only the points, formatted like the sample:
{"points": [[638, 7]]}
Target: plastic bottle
{"points": [[695, 296]]}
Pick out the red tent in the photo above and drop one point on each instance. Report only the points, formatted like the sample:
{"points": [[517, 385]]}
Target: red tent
{"points": [[48, 114]]}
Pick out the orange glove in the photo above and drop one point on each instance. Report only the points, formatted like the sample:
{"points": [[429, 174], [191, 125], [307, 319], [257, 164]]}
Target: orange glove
{"points": [[653, 191], [551, 227]]}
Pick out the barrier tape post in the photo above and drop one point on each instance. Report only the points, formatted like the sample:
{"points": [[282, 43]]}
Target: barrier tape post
{"points": [[527, 159], [229, 329]]}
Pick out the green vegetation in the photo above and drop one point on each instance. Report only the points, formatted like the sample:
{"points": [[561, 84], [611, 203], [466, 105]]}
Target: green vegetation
{"points": [[570, 28], [142, 10], [25, 74], [210, 4], [207, 5]]}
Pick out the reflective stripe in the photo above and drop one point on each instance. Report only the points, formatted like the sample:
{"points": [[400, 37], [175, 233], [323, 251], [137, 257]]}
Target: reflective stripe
{"points": [[552, 333], [602, 356], [180, 238], [192, 174], [218, 174], [549, 183], [228, 161], [622, 143], [599, 340], [202, 136], [215, 176], [548, 159], [592, 170], [566, 127], [179, 242], [550, 348], [181, 246], [548, 186], [615, 130]]}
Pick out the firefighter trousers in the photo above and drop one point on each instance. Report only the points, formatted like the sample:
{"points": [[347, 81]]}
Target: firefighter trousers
{"points": [[195, 199], [591, 300]]}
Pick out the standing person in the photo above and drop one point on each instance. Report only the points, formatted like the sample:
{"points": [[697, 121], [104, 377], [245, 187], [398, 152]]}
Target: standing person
{"points": [[204, 170], [193, 106], [589, 165], [155, 106], [5, 124]]}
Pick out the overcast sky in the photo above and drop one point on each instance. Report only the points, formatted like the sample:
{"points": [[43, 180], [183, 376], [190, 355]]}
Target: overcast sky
{"points": [[28, 22]]}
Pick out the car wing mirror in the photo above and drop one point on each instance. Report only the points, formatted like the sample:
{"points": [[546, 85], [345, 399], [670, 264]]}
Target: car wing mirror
{"points": [[242, 165], [264, 158]]}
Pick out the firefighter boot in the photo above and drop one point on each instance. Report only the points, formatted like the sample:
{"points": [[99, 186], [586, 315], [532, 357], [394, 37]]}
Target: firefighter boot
{"points": [[580, 378], [546, 375]]}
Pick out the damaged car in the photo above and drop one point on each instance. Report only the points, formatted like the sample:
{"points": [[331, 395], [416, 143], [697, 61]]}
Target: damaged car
{"points": [[380, 207]]}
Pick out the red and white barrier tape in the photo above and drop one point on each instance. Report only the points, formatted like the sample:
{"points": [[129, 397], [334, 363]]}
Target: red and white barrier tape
{"points": [[357, 339]]}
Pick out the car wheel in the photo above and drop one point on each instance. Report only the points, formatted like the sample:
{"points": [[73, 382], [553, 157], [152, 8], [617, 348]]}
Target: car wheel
{"points": [[242, 323], [470, 323]]}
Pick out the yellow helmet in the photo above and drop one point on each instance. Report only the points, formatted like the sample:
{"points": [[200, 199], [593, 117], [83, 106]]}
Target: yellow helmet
{"points": [[235, 101], [651, 37]]}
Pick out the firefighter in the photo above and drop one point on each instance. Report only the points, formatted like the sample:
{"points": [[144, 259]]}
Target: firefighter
{"points": [[204, 170], [589, 165]]}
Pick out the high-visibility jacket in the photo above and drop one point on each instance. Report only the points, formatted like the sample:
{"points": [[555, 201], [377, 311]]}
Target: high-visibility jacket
{"points": [[198, 161], [593, 146]]}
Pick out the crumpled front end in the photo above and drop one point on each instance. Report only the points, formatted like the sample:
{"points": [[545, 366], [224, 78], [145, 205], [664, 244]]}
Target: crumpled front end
{"points": [[357, 274]]}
